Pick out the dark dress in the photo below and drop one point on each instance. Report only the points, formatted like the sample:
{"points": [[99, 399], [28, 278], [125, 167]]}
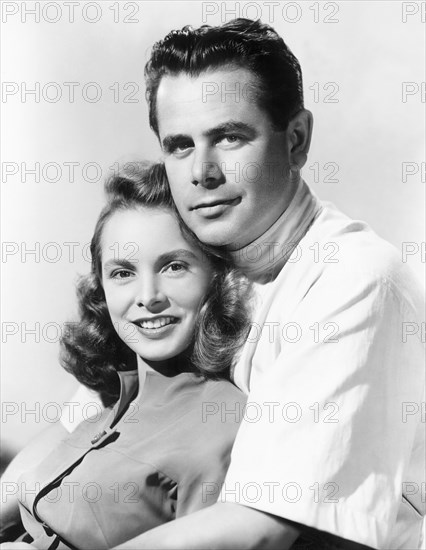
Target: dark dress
{"points": [[162, 452]]}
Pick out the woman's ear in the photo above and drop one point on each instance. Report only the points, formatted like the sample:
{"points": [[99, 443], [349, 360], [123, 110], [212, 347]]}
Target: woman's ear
{"points": [[299, 134]]}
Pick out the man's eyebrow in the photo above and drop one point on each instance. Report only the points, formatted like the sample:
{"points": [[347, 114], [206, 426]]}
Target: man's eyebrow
{"points": [[230, 126], [171, 140]]}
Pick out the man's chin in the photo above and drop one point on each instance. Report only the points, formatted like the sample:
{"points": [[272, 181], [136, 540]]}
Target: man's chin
{"points": [[213, 235]]}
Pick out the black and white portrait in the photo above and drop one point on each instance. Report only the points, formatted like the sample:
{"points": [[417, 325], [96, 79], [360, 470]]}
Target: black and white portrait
{"points": [[213, 261]]}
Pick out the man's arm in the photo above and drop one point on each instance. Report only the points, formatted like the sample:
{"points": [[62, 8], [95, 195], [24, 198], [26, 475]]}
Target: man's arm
{"points": [[219, 527], [228, 525]]}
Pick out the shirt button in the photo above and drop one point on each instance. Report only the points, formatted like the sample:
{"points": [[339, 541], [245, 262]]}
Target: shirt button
{"points": [[98, 437]]}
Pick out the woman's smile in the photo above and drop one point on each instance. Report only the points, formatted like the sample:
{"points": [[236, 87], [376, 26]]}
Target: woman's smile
{"points": [[156, 327], [155, 322], [159, 288]]}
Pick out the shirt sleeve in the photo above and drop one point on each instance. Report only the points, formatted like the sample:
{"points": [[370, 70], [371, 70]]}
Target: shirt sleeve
{"points": [[324, 441], [84, 404]]}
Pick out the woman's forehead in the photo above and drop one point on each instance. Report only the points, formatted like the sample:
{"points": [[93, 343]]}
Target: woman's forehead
{"points": [[148, 231]]}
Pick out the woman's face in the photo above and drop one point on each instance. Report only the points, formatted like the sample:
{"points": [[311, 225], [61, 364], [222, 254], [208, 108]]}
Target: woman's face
{"points": [[154, 281]]}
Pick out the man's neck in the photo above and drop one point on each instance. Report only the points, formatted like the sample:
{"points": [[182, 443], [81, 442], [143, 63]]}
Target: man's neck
{"points": [[291, 191], [261, 260]]}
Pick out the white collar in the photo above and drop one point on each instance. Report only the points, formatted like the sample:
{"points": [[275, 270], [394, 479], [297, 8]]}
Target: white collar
{"points": [[263, 259]]}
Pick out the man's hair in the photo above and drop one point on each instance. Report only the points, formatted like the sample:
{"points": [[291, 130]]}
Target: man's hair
{"points": [[91, 349], [243, 43]]}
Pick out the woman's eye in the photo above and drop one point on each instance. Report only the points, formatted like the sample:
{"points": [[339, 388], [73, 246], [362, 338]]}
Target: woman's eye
{"points": [[121, 274], [176, 267]]}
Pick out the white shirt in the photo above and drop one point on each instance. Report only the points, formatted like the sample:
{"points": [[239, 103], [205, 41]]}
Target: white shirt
{"points": [[333, 432], [332, 436]]}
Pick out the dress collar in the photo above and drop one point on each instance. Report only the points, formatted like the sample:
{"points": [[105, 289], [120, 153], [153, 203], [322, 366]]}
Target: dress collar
{"points": [[129, 382], [263, 259]]}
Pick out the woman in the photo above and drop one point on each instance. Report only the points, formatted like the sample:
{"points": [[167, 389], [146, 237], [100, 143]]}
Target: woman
{"points": [[159, 300]]}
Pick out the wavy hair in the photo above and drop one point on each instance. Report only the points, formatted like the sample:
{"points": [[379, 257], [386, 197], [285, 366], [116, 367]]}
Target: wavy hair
{"points": [[252, 45], [91, 349]]}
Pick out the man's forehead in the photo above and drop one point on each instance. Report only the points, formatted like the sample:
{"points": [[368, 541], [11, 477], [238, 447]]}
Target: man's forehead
{"points": [[225, 82], [224, 94]]}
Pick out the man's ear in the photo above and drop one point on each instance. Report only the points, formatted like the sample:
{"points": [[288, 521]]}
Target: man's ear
{"points": [[299, 133]]}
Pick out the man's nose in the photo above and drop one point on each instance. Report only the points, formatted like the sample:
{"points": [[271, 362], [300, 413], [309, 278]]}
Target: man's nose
{"points": [[150, 295], [206, 170]]}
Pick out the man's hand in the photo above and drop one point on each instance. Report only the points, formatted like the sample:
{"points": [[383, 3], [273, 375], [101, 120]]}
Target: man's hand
{"points": [[219, 527]]}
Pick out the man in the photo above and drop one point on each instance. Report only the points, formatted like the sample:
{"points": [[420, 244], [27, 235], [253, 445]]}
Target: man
{"points": [[325, 452], [326, 367]]}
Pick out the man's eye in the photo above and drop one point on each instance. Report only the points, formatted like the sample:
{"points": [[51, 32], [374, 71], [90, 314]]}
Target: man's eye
{"points": [[183, 146], [229, 139], [180, 148]]}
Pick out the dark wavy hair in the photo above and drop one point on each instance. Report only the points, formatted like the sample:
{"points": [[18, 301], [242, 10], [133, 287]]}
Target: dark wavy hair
{"points": [[241, 42], [91, 349]]}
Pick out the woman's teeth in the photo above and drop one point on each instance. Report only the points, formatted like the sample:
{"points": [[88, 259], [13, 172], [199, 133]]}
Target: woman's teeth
{"points": [[157, 323]]}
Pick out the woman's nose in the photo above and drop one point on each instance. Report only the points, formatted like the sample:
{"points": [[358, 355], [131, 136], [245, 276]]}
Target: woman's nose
{"points": [[205, 169], [150, 295]]}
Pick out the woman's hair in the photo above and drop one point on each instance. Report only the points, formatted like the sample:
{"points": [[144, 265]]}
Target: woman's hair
{"points": [[91, 349]]}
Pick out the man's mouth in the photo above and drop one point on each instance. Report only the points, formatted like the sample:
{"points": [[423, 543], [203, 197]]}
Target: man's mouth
{"points": [[215, 208], [213, 203]]}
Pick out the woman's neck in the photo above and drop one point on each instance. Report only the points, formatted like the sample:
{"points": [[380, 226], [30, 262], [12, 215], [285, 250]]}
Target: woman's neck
{"points": [[169, 367]]}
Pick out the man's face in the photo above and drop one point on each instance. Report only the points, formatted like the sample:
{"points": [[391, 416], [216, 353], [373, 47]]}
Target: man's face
{"points": [[227, 166]]}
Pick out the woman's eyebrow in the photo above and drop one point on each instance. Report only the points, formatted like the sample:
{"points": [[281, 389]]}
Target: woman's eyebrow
{"points": [[122, 262], [178, 254], [172, 255]]}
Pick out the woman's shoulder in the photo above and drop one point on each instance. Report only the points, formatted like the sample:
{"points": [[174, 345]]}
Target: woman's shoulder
{"points": [[199, 388], [189, 399], [214, 408], [223, 390]]}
